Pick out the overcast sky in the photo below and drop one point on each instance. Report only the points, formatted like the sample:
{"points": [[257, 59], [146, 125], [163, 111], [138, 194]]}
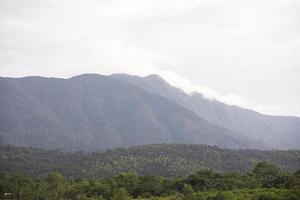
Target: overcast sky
{"points": [[241, 52]]}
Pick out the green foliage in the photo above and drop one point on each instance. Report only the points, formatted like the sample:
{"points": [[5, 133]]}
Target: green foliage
{"points": [[266, 197], [207, 180], [203, 185], [271, 176], [266, 169], [121, 194], [219, 196], [167, 160], [188, 192]]}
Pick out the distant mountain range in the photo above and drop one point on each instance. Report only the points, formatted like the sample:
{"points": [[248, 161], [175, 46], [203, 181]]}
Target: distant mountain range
{"points": [[92, 112]]}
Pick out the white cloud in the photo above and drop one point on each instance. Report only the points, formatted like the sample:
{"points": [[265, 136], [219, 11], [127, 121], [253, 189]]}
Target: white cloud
{"points": [[208, 93], [186, 85], [247, 51]]}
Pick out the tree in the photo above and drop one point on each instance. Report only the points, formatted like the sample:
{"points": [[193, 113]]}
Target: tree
{"points": [[268, 173], [188, 192], [55, 185], [127, 181], [121, 194], [149, 186], [264, 168], [219, 196]]}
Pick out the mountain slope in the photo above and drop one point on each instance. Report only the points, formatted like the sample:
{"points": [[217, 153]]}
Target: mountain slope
{"points": [[266, 131], [92, 112], [167, 160]]}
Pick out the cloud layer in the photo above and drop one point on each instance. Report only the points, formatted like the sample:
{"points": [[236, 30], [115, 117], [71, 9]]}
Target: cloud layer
{"points": [[247, 51]]}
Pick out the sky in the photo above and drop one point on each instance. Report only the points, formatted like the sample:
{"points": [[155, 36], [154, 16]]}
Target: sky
{"points": [[241, 52]]}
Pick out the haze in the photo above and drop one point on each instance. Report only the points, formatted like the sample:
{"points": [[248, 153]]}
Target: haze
{"points": [[243, 53]]}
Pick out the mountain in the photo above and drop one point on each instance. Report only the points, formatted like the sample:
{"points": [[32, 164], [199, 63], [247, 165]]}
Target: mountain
{"points": [[92, 112], [278, 132], [168, 160]]}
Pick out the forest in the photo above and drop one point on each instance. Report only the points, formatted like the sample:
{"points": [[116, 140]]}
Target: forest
{"points": [[265, 181], [166, 160]]}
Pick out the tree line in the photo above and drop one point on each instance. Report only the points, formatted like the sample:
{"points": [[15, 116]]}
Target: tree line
{"points": [[167, 160], [265, 181]]}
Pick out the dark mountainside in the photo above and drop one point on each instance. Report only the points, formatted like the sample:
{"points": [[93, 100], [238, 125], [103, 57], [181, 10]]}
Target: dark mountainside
{"points": [[93, 112], [168, 160], [278, 132]]}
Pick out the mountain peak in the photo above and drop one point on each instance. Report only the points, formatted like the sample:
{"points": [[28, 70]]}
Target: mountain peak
{"points": [[154, 77], [86, 76]]}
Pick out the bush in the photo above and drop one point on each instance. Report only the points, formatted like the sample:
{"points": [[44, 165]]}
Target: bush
{"points": [[219, 196], [265, 197]]}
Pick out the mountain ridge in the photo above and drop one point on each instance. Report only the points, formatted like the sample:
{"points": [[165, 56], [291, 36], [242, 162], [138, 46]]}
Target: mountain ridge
{"points": [[91, 112], [244, 121]]}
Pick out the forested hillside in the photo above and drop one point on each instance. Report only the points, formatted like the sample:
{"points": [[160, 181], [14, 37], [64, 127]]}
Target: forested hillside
{"points": [[168, 160]]}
